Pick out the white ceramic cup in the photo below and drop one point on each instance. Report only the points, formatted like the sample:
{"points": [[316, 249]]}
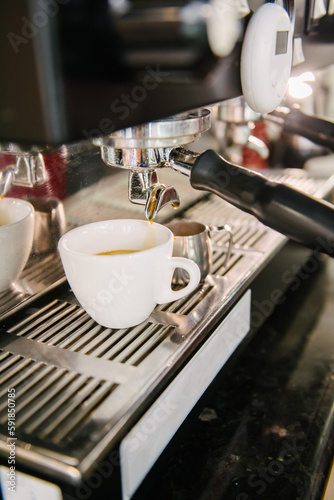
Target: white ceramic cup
{"points": [[120, 291], [16, 236]]}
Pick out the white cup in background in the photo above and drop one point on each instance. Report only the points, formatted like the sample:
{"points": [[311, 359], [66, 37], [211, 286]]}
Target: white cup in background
{"points": [[16, 236], [120, 291]]}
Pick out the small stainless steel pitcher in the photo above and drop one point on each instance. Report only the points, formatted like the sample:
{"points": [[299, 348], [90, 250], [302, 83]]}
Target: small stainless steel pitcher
{"points": [[193, 241], [50, 223]]}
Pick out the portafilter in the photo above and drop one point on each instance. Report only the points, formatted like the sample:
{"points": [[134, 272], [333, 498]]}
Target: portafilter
{"points": [[145, 148]]}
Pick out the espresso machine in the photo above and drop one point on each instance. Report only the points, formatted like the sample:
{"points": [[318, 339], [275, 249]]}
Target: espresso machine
{"points": [[112, 109]]}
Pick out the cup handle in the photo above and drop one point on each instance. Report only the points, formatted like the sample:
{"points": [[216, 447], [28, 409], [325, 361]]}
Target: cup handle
{"points": [[218, 229], [165, 293]]}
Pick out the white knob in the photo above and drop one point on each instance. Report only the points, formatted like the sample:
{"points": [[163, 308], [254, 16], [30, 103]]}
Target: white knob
{"points": [[223, 24], [319, 9], [266, 57]]}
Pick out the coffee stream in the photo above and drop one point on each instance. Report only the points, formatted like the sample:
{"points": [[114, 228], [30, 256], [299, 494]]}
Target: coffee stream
{"points": [[150, 237], [149, 242]]}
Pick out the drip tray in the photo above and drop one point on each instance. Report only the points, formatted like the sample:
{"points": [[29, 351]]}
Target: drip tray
{"points": [[77, 382], [41, 274], [81, 387]]}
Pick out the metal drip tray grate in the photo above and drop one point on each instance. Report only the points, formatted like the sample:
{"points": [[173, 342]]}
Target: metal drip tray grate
{"points": [[52, 403], [79, 386], [40, 274], [68, 326]]}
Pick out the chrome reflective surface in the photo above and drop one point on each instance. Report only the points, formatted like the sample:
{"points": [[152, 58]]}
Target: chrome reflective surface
{"points": [[145, 148], [145, 189], [50, 223], [192, 240], [233, 125], [170, 132]]}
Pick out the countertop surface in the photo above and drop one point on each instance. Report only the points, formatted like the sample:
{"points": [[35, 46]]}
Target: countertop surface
{"points": [[266, 428]]}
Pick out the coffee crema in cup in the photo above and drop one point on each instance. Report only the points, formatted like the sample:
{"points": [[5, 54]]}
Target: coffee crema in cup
{"points": [[149, 242], [116, 252]]}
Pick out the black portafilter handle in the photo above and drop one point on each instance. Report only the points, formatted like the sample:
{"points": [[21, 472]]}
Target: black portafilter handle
{"points": [[317, 130], [298, 216]]}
